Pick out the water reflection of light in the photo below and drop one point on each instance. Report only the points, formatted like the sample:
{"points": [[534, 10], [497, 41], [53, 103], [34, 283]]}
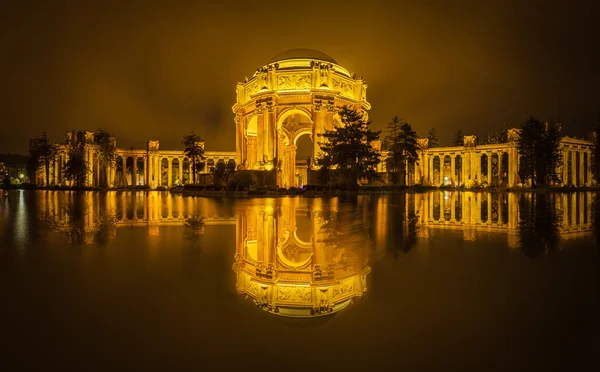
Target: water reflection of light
{"points": [[446, 193], [21, 221]]}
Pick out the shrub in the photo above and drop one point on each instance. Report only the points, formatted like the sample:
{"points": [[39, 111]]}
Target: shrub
{"points": [[242, 180]]}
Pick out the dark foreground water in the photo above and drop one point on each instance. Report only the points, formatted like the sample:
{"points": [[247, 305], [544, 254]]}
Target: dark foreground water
{"points": [[437, 281]]}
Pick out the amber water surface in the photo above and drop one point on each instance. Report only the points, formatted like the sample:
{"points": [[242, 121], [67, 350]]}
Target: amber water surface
{"points": [[433, 281]]}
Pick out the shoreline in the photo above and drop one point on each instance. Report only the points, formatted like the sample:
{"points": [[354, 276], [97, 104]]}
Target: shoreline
{"points": [[312, 192]]}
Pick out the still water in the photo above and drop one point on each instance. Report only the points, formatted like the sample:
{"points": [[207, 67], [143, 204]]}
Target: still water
{"points": [[433, 281]]}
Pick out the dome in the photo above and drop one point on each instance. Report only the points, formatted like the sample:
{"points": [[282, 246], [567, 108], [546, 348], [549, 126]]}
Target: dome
{"points": [[302, 54]]}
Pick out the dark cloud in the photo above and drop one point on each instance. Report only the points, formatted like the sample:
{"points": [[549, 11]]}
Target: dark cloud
{"points": [[157, 70]]}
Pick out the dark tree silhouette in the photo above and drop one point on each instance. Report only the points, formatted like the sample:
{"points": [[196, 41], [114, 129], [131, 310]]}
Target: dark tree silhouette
{"points": [[433, 140], [498, 137], [538, 227], [538, 148], [41, 152], [194, 150], [348, 148], [223, 172], [459, 138]]}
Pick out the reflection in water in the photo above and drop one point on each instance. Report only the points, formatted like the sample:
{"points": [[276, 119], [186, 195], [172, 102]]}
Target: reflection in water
{"points": [[307, 257], [194, 227], [301, 261], [538, 225]]}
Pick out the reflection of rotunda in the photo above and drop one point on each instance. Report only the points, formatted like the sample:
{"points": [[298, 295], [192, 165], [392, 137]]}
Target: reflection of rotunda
{"points": [[296, 273], [297, 93]]}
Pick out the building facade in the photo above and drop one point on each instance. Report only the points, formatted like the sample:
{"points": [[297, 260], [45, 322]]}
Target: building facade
{"points": [[151, 167], [474, 165], [297, 93]]}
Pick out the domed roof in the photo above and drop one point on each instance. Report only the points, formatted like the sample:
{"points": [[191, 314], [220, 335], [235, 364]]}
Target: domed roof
{"points": [[302, 54]]}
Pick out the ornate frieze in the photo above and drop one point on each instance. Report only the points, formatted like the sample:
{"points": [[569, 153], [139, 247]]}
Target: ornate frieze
{"points": [[345, 88], [251, 88], [293, 294], [293, 82]]}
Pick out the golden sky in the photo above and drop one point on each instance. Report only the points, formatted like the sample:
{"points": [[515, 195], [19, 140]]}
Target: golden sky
{"points": [[158, 70]]}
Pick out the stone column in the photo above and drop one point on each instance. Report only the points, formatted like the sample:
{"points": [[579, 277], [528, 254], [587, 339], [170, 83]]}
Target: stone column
{"points": [[180, 161], [190, 170], [452, 169], [170, 172], [146, 171], [442, 218], [489, 168], [430, 205], [588, 170], [581, 169], [124, 171], [489, 207], [260, 138], [500, 174], [574, 168], [292, 163], [453, 203], [134, 177]]}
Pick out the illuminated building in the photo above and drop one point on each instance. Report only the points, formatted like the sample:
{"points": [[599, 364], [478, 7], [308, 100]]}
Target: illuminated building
{"points": [[151, 166], [496, 164], [297, 93]]}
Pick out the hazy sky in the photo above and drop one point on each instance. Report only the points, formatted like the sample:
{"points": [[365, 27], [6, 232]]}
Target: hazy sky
{"points": [[160, 69]]}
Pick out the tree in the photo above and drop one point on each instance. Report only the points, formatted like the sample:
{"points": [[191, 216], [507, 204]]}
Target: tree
{"points": [[106, 148], [433, 140], [223, 172], [42, 152], [538, 149], [404, 150], [348, 148], [498, 137], [392, 129], [76, 168], [194, 150], [459, 138]]}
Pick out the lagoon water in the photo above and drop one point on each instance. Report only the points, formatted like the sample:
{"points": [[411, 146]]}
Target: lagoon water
{"points": [[432, 281]]}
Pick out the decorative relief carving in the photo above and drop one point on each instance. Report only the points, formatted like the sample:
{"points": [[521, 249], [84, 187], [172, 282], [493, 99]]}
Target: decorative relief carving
{"points": [[423, 143], [292, 124], [252, 288], [343, 289], [346, 89], [251, 88], [293, 294], [291, 82]]}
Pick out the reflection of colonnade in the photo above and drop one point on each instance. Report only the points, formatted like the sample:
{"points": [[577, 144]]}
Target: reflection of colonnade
{"points": [[151, 167], [287, 261], [91, 212], [475, 212], [496, 164]]}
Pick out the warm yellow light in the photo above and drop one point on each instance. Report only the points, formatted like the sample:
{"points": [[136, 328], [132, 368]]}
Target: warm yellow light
{"points": [[269, 166]]}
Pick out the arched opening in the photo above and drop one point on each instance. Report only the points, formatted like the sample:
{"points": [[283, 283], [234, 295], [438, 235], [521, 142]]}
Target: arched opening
{"points": [[164, 170], [119, 180], [176, 164], [140, 172], [447, 171], [504, 168], [447, 206], [187, 176], [129, 172], [304, 158], [484, 170], [293, 125], [436, 171], [458, 170]]}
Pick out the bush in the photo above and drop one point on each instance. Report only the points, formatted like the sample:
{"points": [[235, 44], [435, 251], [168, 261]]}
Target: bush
{"points": [[241, 181]]}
